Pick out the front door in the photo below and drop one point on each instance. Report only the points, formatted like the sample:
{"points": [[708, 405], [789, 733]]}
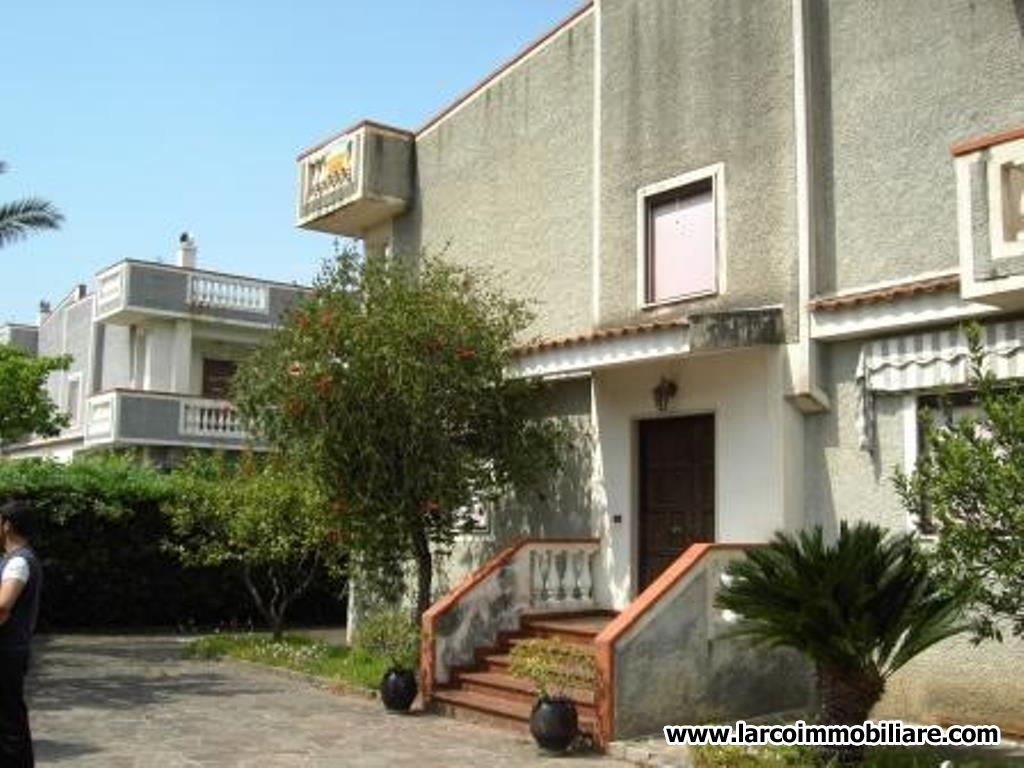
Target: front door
{"points": [[677, 489]]}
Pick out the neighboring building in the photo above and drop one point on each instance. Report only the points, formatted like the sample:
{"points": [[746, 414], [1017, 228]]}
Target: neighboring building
{"points": [[750, 230], [153, 350]]}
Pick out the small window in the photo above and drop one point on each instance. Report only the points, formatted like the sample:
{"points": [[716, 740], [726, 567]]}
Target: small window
{"points": [[1013, 202], [945, 411], [679, 238], [217, 376], [74, 396]]}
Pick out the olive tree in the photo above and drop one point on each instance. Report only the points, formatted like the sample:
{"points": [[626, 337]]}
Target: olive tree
{"points": [[968, 489], [264, 516], [25, 407]]}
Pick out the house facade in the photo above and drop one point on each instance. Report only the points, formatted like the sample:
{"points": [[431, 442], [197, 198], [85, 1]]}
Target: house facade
{"points": [[750, 232], [153, 348]]}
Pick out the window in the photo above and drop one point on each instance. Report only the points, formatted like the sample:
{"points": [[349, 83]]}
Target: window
{"points": [[74, 397], [944, 411], [679, 240], [217, 376], [1006, 199]]}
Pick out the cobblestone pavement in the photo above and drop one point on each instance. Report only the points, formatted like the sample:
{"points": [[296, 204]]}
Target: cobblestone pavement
{"points": [[122, 702]]}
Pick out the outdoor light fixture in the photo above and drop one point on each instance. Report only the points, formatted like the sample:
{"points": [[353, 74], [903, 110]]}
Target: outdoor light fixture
{"points": [[664, 392]]}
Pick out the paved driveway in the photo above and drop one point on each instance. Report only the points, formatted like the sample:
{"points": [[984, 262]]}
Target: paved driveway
{"points": [[133, 701]]}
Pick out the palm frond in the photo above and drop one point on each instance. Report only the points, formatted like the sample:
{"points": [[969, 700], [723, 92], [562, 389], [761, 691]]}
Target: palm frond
{"points": [[864, 604], [19, 218]]}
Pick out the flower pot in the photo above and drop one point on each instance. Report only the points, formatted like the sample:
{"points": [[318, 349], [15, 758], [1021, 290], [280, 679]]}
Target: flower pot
{"points": [[398, 689], [554, 724]]}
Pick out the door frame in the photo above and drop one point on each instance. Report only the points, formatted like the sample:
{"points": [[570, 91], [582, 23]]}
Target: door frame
{"points": [[634, 473]]}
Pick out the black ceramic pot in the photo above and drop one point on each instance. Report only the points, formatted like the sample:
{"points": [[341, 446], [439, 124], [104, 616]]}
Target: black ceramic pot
{"points": [[554, 724], [398, 689]]}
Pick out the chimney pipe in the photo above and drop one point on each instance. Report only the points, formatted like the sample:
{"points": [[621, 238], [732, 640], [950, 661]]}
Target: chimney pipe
{"points": [[44, 311], [186, 251]]}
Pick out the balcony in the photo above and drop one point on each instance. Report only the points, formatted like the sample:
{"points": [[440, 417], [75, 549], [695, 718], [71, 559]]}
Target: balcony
{"points": [[131, 291], [134, 417], [355, 181], [990, 194]]}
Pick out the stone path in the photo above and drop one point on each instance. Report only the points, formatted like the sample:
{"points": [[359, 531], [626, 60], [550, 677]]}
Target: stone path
{"points": [[133, 702]]}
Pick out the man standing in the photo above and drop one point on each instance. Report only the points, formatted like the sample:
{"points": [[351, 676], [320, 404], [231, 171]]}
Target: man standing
{"points": [[21, 578]]}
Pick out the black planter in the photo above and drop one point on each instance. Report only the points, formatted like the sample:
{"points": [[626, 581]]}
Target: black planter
{"points": [[554, 724], [398, 689]]}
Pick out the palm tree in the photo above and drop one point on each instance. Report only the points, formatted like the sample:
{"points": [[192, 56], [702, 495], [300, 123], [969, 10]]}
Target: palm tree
{"points": [[20, 217], [859, 608]]}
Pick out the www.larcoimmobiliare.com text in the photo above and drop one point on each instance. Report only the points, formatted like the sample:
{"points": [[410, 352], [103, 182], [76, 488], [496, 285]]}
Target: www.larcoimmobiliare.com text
{"points": [[869, 734]]}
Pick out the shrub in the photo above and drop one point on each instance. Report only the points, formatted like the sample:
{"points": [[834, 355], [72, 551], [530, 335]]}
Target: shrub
{"points": [[554, 666], [101, 535], [392, 635]]}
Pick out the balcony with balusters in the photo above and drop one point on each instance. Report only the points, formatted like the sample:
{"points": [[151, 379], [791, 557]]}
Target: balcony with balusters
{"points": [[125, 417], [132, 292]]}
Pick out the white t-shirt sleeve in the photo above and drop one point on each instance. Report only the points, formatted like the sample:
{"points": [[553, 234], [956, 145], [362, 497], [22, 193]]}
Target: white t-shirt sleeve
{"points": [[16, 568]]}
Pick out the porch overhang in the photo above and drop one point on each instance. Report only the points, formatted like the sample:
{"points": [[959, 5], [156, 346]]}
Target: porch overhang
{"points": [[643, 342]]}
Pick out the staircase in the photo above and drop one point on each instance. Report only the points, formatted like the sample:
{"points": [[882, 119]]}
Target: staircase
{"points": [[485, 692]]}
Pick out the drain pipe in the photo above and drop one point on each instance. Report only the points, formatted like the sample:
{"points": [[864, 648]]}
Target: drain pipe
{"points": [[806, 391]]}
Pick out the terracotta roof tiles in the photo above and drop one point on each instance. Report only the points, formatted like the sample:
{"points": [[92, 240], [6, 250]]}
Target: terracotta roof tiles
{"points": [[888, 293]]}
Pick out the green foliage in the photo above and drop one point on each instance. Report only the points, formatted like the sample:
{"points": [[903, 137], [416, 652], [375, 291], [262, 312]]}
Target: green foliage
{"points": [[390, 634], [349, 667], [20, 217], [101, 534], [859, 608], [390, 383], [263, 515], [553, 665], [723, 756], [25, 407], [968, 486]]}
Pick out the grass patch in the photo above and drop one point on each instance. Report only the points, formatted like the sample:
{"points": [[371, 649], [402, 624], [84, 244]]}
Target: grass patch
{"points": [[332, 662], [709, 756]]}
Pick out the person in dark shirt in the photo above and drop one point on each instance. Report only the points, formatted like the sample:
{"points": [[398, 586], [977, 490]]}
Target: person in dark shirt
{"points": [[21, 579]]}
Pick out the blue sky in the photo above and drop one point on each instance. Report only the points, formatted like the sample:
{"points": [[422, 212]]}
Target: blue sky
{"points": [[143, 119]]}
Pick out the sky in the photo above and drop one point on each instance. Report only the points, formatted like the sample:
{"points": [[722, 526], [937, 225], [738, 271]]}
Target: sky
{"points": [[141, 120]]}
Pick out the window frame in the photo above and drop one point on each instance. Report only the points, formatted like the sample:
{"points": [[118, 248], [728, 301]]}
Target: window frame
{"points": [[652, 194], [74, 415], [1000, 156]]}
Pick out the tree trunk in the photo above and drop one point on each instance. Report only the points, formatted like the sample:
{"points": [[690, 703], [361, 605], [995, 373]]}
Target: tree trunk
{"points": [[277, 626], [424, 573], [847, 699]]}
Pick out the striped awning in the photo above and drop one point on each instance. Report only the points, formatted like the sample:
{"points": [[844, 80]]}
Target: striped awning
{"points": [[931, 360]]}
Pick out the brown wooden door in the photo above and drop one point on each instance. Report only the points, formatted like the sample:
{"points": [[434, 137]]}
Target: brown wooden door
{"points": [[677, 489]]}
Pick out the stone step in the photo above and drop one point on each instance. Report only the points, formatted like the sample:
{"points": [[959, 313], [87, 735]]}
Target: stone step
{"points": [[493, 710], [514, 689]]}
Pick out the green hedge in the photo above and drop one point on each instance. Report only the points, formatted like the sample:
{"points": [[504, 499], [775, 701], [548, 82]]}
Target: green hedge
{"points": [[100, 539]]}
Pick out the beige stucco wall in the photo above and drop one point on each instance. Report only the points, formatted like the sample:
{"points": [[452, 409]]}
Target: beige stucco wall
{"points": [[955, 682], [504, 183], [907, 80], [687, 84]]}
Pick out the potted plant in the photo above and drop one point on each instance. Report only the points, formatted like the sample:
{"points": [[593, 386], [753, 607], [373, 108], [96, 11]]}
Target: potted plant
{"points": [[391, 635], [555, 667]]}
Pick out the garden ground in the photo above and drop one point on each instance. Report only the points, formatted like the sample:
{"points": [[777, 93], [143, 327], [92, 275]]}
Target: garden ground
{"points": [[136, 701]]}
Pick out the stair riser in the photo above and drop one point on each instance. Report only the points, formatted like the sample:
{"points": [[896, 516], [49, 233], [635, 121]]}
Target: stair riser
{"points": [[581, 638], [481, 716], [511, 694]]}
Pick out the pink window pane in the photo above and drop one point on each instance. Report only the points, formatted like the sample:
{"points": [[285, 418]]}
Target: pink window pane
{"points": [[682, 246]]}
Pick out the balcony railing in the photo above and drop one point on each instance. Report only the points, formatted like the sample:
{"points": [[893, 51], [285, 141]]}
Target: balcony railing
{"points": [[134, 291], [137, 417], [210, 418], [228, 293]]}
